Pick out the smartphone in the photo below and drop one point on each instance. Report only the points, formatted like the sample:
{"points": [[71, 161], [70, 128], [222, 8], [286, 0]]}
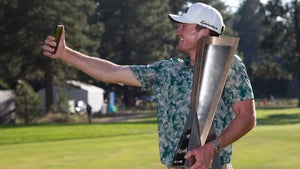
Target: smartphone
{"points": [[58, 31]]}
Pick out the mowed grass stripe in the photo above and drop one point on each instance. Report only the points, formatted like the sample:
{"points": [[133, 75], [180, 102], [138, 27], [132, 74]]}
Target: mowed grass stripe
{"points": [[269, 147], [41, 133], [265, 147], [274, 143], [133, 151]]}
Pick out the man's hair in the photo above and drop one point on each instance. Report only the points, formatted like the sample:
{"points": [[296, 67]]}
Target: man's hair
{"points": [[211, 32]]}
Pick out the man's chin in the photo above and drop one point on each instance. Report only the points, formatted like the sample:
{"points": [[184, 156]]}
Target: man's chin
{"points": [[179, 49]]}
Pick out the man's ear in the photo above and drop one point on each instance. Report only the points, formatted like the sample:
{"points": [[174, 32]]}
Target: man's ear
{"points": [[203, 32]]}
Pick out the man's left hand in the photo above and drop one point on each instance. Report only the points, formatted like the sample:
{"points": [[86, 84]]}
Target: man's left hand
{"points": [[203, 156]]}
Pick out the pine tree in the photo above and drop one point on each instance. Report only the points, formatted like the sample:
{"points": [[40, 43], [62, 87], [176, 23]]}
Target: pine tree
{"points": [[247, 23], [136, 32], [24, 26]]}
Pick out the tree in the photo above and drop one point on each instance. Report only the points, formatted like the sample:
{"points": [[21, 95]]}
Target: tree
{"points": [[292, 59], [262, 36], [28, 103], [247, 23], [269, 41], [177, 6], [137, 32], [62, 104], [277, 44], [20, 49]]}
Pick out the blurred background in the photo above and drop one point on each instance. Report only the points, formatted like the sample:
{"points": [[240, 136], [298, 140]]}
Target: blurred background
{"points": [[33, 86]]}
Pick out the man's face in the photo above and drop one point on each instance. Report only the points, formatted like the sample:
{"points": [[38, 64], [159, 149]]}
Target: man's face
{"points": [[187, 37]]}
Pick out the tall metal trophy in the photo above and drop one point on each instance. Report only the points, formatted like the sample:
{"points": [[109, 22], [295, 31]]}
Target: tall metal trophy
{"points": [[213, 60]]}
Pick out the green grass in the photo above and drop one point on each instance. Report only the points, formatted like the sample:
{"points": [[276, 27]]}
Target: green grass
{"points": [[274, 143], [130, 151], [269, 147], [43, 133]]}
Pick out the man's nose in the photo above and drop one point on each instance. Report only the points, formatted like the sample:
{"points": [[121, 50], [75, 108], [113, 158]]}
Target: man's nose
{"points": [[178, 31]]}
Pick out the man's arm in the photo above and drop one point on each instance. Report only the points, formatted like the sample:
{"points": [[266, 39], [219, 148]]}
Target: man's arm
{"points": [[244, 121], [97, 68], [100, 69]]}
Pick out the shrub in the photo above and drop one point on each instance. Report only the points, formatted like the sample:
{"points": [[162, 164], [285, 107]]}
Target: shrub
{"points": [[28, 102], [54, 117]]}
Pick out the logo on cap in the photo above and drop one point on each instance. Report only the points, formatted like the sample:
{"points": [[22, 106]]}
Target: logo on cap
{"points": [[207, 24]]}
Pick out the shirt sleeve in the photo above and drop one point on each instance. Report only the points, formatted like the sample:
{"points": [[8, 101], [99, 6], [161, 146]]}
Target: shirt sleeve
{"points": [[238, 86], [151, 76], [146, 74]]}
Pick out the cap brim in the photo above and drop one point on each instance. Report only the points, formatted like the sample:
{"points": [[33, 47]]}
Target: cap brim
{"points": [[179, 18]]}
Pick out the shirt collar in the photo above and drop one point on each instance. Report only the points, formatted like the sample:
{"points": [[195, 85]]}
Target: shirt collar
{"points": [[187, 60]]}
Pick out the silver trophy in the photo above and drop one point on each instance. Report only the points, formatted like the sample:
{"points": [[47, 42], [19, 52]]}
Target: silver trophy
{"points": [[213, 60]]}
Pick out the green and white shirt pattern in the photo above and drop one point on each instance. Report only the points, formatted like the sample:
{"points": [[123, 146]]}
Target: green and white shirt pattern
{"points": [[171, 82]]}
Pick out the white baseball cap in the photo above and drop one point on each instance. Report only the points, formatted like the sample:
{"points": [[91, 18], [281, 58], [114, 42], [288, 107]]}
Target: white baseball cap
{"points": [[203, 15]]}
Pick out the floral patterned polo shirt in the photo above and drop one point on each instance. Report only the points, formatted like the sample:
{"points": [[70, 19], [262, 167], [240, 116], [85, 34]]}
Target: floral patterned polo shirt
{"points": [[171, 82]]}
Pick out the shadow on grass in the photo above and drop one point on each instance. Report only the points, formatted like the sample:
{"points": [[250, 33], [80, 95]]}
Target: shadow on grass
{"points": [[279, 119]]}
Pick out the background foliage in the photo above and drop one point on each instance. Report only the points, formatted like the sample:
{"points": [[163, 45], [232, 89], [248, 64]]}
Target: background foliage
{"points": [[139, 32]]}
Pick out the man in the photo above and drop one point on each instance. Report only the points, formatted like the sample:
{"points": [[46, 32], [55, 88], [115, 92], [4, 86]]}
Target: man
{"points": [[171, 82]]}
